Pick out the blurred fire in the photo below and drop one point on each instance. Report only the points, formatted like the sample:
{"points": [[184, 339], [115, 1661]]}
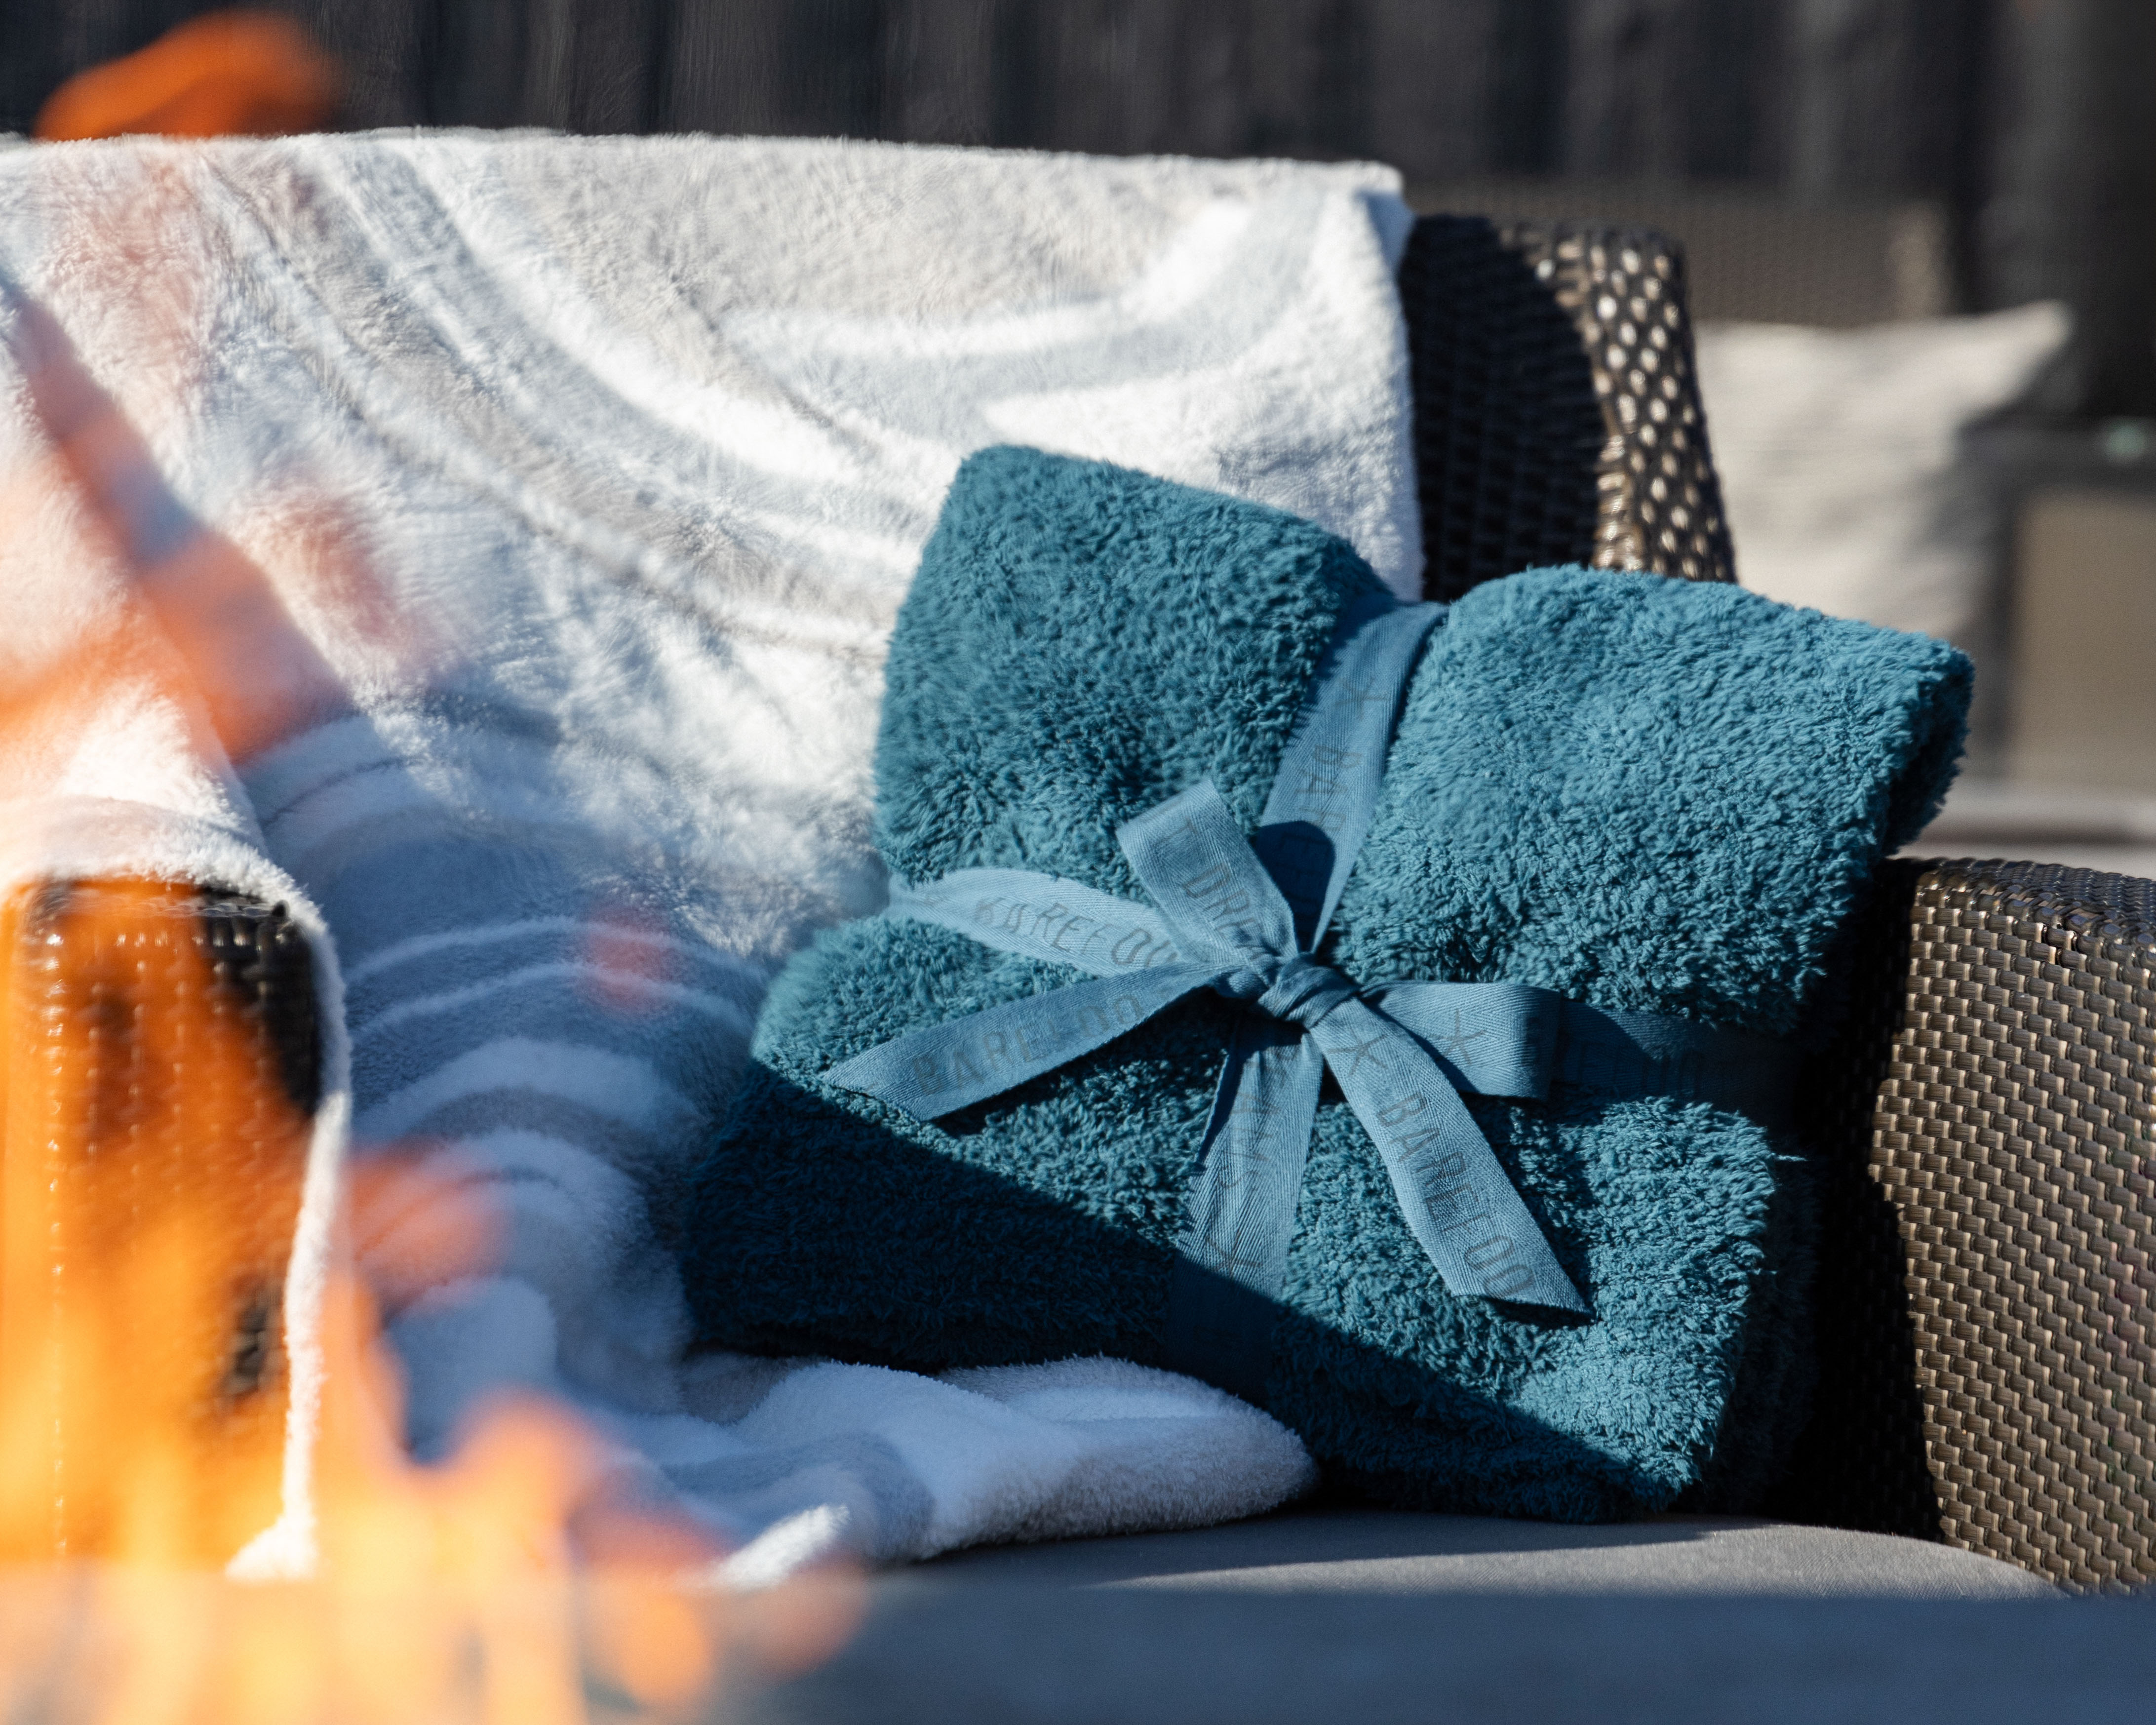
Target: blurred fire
{"points": [[152, 1176], [149, 1197], [153, 1164], [252, 72]]}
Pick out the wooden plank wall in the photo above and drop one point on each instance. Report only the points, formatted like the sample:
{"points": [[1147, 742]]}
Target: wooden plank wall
{"points": [[2025, 119], [1828, 94]]}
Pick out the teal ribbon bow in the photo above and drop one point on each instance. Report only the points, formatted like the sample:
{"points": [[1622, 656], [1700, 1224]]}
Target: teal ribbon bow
{"points": [[1243, 917]]}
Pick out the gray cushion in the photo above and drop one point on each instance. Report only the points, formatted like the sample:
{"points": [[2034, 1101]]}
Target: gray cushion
{"points": [[1392, 1552], [1373, 1617]]}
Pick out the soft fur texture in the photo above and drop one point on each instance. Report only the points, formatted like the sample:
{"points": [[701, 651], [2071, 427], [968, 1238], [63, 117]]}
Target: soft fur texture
{"points": [[1645, 793], [593, 471]]}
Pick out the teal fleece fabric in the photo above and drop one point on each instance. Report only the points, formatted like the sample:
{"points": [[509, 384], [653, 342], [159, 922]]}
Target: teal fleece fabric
{"points": [[1645, 793]]}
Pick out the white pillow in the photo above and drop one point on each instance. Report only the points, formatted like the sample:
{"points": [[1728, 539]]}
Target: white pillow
{"points": [[1837, 450]]}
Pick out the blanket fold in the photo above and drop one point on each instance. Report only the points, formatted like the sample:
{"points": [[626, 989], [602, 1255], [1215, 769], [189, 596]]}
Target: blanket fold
{"points": [[1648, 795]]}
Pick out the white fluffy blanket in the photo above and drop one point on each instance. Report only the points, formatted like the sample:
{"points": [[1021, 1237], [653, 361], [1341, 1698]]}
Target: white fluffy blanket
{"points": [[487, 547]]}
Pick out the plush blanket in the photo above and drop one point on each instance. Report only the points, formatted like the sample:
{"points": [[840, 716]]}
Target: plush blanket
{"points": [[1648, 795], [487, 545]]}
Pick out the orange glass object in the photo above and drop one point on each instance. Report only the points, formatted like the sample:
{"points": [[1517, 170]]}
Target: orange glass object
{"points": [[250, 72], [150, 1167], [151, 1163]]}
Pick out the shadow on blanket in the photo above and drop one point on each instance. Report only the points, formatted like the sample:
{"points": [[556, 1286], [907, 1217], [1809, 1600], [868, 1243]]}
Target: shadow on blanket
{"points": [[783, 1290]]}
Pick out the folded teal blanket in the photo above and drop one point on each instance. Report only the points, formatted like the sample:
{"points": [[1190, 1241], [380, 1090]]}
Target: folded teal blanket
{"points": [[1650, 797]]}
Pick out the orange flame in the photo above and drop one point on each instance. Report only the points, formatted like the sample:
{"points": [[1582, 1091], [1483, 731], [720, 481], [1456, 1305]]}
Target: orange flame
{"points": [[253, 72], [152, 1167], [149, 1180], [148, 1199]]}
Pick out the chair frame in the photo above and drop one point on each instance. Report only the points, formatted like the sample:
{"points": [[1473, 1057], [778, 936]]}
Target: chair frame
{"points": [[1982, 1123]]}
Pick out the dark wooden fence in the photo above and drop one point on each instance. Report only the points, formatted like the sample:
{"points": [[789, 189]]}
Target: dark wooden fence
{"points": [[2029, 121]]}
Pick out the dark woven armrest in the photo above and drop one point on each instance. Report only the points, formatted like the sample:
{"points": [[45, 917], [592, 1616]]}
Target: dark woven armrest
{"points": [[160, 1059], [1988, 1321], [1557, 411]]}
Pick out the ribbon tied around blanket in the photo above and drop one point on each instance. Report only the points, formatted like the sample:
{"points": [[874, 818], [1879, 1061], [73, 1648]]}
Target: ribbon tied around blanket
{"points": [[1241, 916]]}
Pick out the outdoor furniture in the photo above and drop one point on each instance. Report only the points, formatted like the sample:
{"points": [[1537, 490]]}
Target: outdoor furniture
{"points": [[1983, 1120]]}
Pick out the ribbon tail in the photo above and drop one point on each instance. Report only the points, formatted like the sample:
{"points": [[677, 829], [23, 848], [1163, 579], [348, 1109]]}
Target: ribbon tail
{"points": [[1459, 1203], [938, 1070], [1239, 1217]]}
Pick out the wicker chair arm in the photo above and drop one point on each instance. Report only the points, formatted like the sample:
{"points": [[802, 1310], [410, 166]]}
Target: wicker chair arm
{"points": [[1987, 1128], [160, 1059], [1557, 416]]}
